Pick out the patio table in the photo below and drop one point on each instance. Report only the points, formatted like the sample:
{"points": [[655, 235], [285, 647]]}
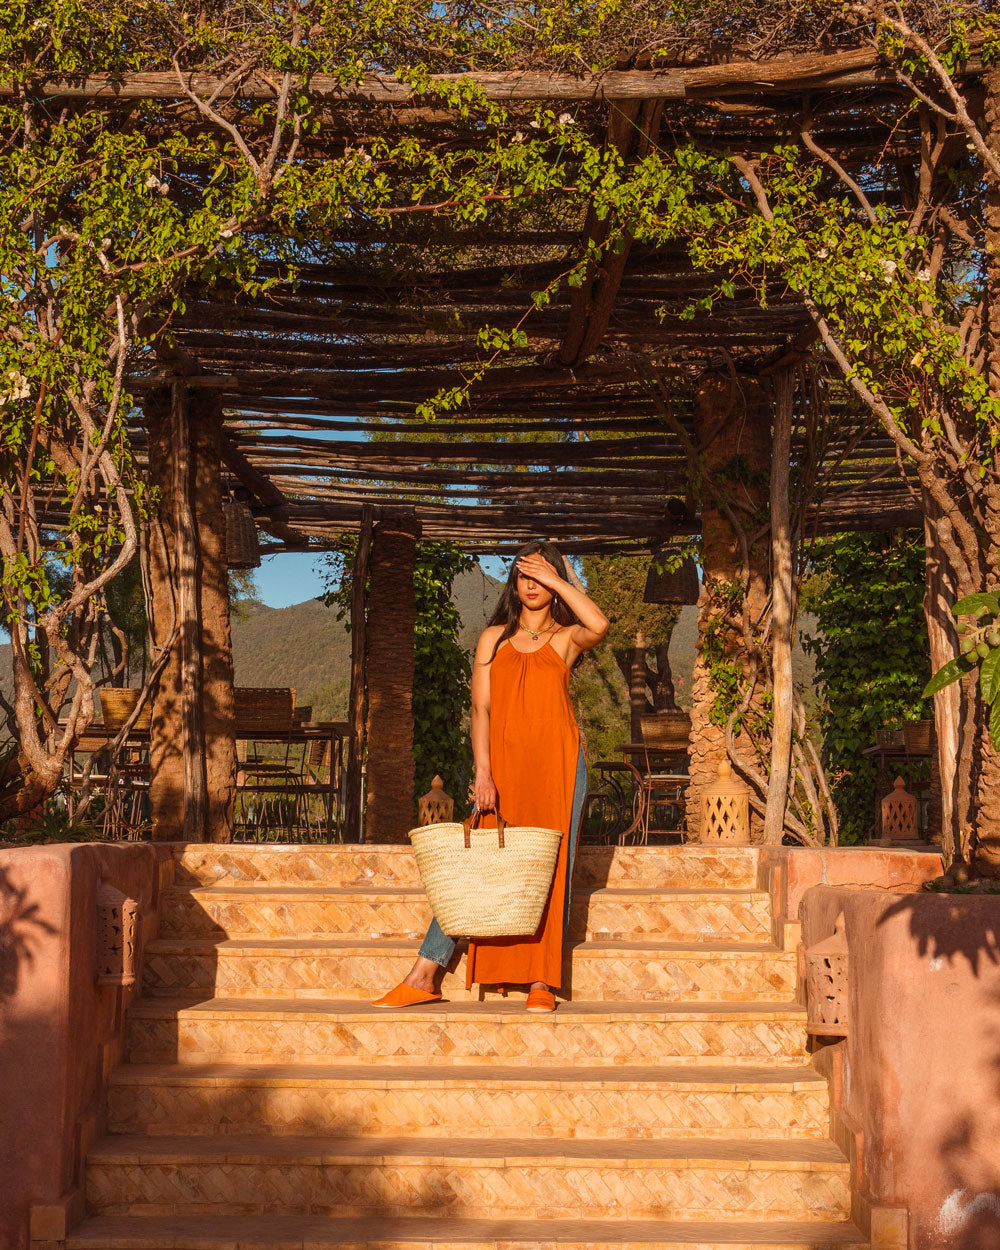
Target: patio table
{"points": [[300, 778]]}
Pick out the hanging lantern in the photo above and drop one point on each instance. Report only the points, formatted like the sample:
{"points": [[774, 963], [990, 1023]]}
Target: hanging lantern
{"points": [[725, 809], [899, 814], [435, 807], [242, 547], [671, 586], [827, 984]]}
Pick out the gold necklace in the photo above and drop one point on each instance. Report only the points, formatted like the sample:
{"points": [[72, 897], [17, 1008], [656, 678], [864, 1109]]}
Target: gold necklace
{"points": [[536, 632]]}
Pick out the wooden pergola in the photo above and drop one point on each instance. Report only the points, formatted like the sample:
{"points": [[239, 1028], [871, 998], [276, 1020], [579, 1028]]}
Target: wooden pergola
{"points": [[305, 399]]}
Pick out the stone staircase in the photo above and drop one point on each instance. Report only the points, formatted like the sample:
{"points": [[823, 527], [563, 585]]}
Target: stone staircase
{"points": [[264, 1105]]}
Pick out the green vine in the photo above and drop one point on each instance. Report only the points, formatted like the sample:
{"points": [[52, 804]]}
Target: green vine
{"points": [[871, 652]]}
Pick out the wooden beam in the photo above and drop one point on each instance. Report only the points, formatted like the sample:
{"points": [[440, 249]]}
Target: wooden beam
{"points": [[858, 67]]}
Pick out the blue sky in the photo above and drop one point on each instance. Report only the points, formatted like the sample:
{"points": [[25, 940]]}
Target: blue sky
{"points": [[295, 577]]}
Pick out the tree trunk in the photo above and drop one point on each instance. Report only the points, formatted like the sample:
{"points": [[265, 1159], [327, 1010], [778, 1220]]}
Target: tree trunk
{"points": [[391, 619], [939, 595], [218, 700], [664, 696], [987, 803], [192, 741], [733, 434], [782, 613]]}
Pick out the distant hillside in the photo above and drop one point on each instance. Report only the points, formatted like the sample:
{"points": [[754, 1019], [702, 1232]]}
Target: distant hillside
{"points": [[305, 646]]}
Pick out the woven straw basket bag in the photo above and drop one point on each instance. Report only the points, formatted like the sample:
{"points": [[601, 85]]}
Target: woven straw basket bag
{"points": [[485, 883]]}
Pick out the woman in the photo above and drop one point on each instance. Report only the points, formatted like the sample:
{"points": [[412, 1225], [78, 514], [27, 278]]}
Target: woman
{"points": [[529, 764]]}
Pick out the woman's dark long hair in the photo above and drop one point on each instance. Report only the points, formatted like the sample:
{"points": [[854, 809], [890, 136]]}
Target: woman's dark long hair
{"points": [[508, 610]]}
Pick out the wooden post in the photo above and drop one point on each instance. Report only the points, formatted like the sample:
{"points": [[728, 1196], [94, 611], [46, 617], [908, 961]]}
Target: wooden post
{"points": [[638, 700], [782, 612], [166, 783], [356, 713], [186, 577], [391, 618], [218, 711]]}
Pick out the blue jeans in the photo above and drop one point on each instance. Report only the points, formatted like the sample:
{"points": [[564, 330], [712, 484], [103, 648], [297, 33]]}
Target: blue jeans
{"points": [[438, 947]]}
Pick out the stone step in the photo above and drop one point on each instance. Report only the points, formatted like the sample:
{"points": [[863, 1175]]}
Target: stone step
{"points": [[162, 1030], [608, 971], [316, 911], [498, 1178], [617, 1102], [305, 1232], [344, 867]]}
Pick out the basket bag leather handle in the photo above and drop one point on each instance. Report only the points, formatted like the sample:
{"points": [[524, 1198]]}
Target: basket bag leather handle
{"points": [[470, 823]]}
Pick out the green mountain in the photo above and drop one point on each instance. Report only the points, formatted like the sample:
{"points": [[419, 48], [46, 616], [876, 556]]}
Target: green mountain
{"points": [[305, 646]]}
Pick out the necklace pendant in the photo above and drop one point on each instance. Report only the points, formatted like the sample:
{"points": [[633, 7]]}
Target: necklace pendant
{"points": [[534, 637]]}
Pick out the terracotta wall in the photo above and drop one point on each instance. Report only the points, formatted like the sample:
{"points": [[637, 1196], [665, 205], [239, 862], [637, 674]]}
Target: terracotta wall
{"points": [[917, 1083], [59, 1029], [788, 872]]}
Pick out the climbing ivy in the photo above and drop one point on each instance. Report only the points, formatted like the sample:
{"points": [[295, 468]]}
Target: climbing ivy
{"points": [[872, 658]]}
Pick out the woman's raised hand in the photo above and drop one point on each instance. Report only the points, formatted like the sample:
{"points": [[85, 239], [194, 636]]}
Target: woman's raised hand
{"points": [[485, 794], [539, 570]]}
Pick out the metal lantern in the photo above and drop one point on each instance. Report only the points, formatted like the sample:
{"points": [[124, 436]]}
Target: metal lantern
{"points": [[435, 807], [899, 814], [725, 810], [242, 547], [117, 936], [671, 586], [827, 984]]}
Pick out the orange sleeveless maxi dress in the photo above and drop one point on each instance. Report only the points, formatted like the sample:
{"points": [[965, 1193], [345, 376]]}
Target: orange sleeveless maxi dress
{"points": [[534, 755]]}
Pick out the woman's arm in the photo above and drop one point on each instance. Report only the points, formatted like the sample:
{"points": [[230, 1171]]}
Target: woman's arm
{"points": [[485, 792], [593, 623]]}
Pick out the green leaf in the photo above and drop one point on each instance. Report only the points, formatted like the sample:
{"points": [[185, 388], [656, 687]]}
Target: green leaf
{"points": [[972, 603], [945, 675], [989, 676], [995, 726]]}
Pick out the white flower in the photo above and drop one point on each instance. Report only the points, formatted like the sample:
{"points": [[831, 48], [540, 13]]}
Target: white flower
{"points": [[566, 119], [889, 267], [535, 124], [18, 387], [105, 244], [518, 136], [226, 234], [924, 275], [822, 254], [863, 273], [151, 182]]}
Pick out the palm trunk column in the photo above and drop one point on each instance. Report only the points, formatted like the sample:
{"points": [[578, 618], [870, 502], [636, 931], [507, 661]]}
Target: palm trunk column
{"points": [[391, 619], [733, 434]]}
